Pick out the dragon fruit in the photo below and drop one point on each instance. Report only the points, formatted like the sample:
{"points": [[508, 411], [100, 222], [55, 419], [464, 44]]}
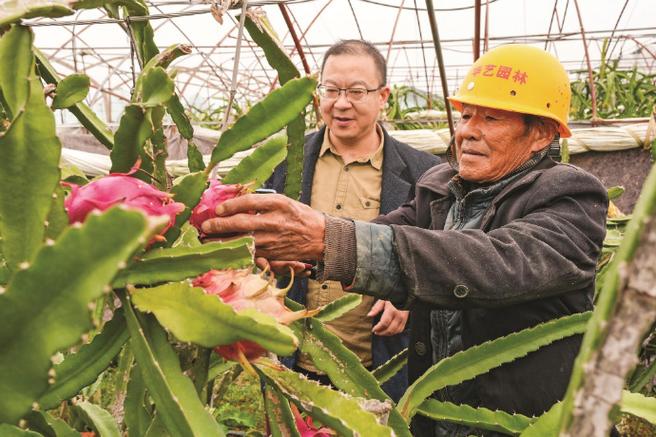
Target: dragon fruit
{"points": [[120, 188], [216, 194], [306, 426], [242, 290]]}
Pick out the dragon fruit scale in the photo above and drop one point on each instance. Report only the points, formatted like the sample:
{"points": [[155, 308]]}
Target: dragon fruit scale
{"points": [[213, 196], [120, 188], [243, 290]]}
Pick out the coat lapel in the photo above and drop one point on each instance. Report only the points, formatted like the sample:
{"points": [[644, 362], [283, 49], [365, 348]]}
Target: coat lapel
{"points": [[395, 188], [312, 148]]}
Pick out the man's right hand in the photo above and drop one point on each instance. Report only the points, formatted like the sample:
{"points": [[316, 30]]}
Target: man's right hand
{"points": [[283, 228]]}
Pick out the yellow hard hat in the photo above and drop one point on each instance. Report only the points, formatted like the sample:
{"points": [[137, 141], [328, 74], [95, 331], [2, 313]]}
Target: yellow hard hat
{"points": [[518, 78]]}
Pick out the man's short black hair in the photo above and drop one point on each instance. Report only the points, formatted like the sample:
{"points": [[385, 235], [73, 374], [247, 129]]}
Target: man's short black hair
{"points": [[358, 47]]}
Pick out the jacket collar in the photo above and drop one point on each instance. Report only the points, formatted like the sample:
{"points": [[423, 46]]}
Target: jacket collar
{"points": [[394, 189], [439, 179]]}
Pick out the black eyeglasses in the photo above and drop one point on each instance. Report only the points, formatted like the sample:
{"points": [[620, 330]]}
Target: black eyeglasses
{"points": [[352, 94]]}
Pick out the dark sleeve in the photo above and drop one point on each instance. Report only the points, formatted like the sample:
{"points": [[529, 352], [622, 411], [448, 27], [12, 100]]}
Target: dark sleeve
{"points": [[551, 249]]}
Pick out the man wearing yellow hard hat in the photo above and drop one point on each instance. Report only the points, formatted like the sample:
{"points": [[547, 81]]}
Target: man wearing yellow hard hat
{"points": [[498, 240]]}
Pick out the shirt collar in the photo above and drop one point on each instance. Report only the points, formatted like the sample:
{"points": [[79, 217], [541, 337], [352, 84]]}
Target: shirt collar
{"points": [[375, 158]]}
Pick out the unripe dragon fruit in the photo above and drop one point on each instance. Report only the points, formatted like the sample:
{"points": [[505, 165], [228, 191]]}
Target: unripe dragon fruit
{"points": [[242, 290], [120, 188], [216, 194]]}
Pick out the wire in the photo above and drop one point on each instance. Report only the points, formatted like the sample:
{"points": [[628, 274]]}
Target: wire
{"points": [[408, 8]]}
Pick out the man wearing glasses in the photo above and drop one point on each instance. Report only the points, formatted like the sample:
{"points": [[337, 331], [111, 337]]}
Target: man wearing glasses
{"points": [[354, 169]]}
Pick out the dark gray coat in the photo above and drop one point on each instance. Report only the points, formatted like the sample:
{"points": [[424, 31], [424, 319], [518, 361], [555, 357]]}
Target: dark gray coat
{"points": [[402, 166], [532, 260]]}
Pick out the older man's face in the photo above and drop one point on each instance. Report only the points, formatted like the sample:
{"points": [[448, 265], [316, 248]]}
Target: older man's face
{"points": [[491, 143]]}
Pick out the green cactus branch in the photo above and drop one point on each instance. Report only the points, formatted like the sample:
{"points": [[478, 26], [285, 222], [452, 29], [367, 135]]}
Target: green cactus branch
{"points": [[480, 359], [264, 119], [45, 307], [82, 368], [193, 316], [625, 310], [175, 264], [176, 400]]}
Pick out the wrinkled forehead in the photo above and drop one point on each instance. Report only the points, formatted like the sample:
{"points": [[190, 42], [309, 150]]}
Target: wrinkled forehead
{"points": [[484, 110]]}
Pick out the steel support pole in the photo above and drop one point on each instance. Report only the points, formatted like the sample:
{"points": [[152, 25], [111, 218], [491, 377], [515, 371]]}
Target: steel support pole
{"points": [[440, 62]]}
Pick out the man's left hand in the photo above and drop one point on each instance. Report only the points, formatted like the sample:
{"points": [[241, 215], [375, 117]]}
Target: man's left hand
{"points": [[392, 321]]}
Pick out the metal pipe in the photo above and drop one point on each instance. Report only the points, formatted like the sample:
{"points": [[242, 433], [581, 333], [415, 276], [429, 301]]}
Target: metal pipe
{"points": [[301, 53], [477, 30], [593, 92], [440, 61]]}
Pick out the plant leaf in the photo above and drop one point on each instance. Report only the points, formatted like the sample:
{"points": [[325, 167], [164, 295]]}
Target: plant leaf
{"points": [[275, 55], [342, 366], [199, 318], [106, 241], [177, 113], [481, 418], [82, 112], [100, 420], [615, 192], [480, 359], [157, 87], [175, 396], [546, 425], [16, 50], [133, 131], [279, 414], [175, 264], [295, 149], [639, 405], [49, 426], [264, 119], [334, 409], [29, 168], [387, 370], [7, 430], [82, 368], [188, 190], [339, 307], [137, 417], [259, 165], [71, 90], [15, 10]]}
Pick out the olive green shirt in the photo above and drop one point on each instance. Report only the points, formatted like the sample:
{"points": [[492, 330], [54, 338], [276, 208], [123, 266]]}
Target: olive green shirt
{"points": [[349, 191]]}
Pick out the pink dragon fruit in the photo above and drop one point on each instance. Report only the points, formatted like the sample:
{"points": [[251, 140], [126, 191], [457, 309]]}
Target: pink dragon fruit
{"points": [[216, 194], [306, 426], [242, 290], [120, 188]]}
